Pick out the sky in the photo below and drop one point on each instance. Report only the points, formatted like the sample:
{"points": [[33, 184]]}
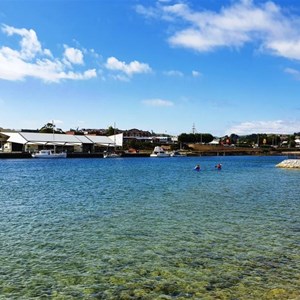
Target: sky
{"points": [[220, 67]]}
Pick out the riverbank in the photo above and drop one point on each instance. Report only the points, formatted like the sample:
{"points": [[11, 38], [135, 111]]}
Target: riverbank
{"points": [[10, 155], [22, 155], [198, 150]]}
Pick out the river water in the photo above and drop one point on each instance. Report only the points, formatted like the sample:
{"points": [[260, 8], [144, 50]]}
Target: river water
{"points": [[149, 228]]}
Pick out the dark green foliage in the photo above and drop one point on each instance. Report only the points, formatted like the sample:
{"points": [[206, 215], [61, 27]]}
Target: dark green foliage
{"points": [[195, 138], [138, 145], [50, 128], [110, 131]]}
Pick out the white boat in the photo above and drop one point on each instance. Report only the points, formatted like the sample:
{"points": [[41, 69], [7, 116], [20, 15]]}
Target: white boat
{"points": [[159, 152], [49, 154], [111, 155]]}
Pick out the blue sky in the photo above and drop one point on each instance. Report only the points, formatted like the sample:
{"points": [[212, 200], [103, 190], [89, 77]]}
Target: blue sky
{"points": [[224, 66]]}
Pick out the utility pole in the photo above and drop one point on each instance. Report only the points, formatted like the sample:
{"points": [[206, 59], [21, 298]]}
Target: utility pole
{"points": [[193, 129]]}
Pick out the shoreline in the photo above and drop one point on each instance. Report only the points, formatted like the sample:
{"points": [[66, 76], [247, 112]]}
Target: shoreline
{"points": [[27, 155]]}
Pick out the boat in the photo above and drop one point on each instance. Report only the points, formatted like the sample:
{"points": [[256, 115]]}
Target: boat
{"points": [[49, 154], [159, 152], [46, 153], [176, 154], [107, 154]]}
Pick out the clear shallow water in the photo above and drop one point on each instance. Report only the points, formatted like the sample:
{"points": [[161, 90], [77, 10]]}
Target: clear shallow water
{"points": [[147, 228]]}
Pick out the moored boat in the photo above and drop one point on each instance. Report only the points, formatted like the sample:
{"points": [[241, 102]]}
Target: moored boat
{"points": [[111, 155], [159, 152], [49, 154]]}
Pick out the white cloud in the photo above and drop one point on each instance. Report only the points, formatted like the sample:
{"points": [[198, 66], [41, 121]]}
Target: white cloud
{"points": [[79, 76], [74, 56], [146, 12], [293, 72], [47, 52], [173, 73], [277, 126], [274, 30], [31, 60], [30, 46], [130, 69], [157, 102], [120, 77], [196, 74]]}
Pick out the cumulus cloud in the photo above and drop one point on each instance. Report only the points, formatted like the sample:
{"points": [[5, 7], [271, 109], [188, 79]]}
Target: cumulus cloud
{"points": [[277, 126], [73, 55], [129, 69], [31, 60], [30, 46], [266, 24], [157, 102]]}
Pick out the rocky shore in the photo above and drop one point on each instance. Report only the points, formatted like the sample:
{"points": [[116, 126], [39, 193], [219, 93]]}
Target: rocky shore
{"points": [[290, 164]]}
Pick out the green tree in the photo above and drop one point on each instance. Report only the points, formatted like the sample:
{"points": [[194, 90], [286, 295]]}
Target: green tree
{"points": [[50, 128], [292, 142], [234, 138], [110, 131], [195, 138], [183, 138], [207, 137]]}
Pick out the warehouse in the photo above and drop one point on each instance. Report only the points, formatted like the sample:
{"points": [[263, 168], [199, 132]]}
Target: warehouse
{"points": [[32, 142]]}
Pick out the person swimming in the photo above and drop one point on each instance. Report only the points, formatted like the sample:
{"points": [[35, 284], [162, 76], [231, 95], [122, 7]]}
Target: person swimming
{"points": [[197, 168], [218, 166]]}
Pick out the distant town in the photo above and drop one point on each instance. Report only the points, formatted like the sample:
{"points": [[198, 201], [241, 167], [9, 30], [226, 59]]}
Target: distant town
{"points": [[136, 141]]}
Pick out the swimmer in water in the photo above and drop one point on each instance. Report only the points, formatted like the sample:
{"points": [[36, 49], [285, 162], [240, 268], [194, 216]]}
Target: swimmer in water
{"points": [[197, 168], [218, 166]]}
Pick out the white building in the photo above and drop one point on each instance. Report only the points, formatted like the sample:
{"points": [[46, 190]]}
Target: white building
{"points": [[31, 142]]}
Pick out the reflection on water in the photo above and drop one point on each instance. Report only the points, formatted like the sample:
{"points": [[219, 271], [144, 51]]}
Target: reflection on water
{"points": [[149, 229]]}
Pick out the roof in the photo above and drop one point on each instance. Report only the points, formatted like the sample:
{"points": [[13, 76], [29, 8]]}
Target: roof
{"points": [[62, 139], [50, 138], [15, 137], [99, 139]]}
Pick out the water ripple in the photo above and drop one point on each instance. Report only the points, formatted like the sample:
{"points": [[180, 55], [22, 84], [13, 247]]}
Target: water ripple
{"points": [[149, 229]]}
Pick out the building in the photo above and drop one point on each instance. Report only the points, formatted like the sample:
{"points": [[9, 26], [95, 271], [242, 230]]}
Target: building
{"points": [[32, 142]]}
